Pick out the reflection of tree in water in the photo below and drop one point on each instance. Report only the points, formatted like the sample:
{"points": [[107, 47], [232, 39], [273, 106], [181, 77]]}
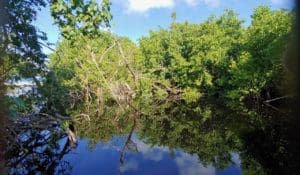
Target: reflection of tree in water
{"points": [[129, 144], [267, 143], [193, 130], [210, 130], [114, 121], [35, 149], [196, 130], [213, 131]]}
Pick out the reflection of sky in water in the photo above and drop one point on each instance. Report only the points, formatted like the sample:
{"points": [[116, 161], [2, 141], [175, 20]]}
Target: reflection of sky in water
{"points": [[104, 159]]}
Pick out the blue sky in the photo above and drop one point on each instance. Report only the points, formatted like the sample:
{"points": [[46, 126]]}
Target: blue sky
{"points": [[134, 18]]}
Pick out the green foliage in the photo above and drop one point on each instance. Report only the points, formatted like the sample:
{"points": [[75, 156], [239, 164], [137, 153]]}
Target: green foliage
{"points": [[21, 56], [103, 80], [78, 17], [20, 51], [216, 57], [16, 106], [191, 95], [90, 76], [194, 55], [220, 56], [260, 65], [89, 71]]}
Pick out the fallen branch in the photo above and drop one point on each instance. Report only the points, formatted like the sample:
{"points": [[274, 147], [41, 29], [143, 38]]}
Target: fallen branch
{"points": [[267, 102], [278, 98]]}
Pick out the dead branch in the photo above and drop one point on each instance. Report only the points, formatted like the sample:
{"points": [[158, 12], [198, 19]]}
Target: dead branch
{"points": [[278, 98], [128, 140], [126, 60], [105, 80], [107, 50], [169, 89], [267, 102]]}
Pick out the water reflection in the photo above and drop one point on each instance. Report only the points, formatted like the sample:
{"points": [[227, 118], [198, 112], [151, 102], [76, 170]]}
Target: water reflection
{"points": [[206, 138], [104, 159]]}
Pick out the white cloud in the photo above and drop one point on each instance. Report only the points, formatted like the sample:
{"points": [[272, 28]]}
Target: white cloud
{"points": [[131, 165], [210, 3], [154, 153], [142, 6], [235, 158], [192, 3], [190, 164], [278, 1]]}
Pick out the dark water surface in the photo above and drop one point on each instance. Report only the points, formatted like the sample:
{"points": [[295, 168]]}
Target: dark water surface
{"points": [[204, 139]]}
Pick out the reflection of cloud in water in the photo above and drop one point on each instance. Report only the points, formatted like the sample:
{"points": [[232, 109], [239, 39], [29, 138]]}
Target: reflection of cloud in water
{"points": [[129, 165], [154, 153], [189, 164], [235, 158]]}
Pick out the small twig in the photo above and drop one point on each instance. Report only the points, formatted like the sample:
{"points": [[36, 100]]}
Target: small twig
{"points": [[278, 98], [106, 51], [271, 106], [86, 117], [50, 48]]}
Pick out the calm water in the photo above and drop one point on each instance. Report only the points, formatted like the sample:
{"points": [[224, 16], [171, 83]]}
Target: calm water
{"points": [[205, 139], [104, 158]]}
